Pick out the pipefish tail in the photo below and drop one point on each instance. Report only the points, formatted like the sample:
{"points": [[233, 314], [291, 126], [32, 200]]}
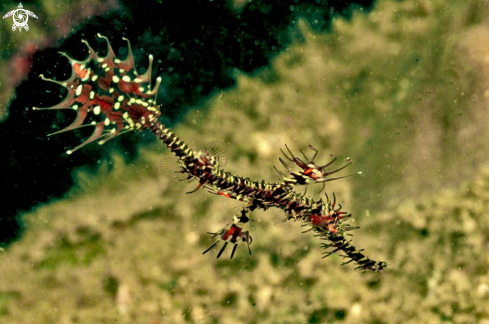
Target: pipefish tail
{"points": [[118, 100]]}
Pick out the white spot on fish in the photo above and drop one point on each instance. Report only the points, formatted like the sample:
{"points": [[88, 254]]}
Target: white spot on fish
{"points": [[79, 90]]}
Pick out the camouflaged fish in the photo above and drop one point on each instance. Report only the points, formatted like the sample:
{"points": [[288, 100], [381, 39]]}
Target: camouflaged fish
{"points": [[119, 100]]}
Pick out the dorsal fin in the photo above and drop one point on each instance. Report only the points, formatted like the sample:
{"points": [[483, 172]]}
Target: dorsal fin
{"points": [[109, 90]]}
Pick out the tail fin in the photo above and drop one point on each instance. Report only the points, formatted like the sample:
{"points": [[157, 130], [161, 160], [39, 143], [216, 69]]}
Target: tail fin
{"points": [[111, 91]]}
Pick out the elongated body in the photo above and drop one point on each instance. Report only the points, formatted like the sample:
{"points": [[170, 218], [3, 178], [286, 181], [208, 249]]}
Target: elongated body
{"points": [[117, 100]]}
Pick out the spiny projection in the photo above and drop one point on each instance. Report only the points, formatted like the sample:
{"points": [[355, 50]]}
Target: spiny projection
{"points": [[108, 94]]}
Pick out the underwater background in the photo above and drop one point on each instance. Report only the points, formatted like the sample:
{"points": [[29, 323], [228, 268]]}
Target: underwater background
{"points": [[401, 87]]}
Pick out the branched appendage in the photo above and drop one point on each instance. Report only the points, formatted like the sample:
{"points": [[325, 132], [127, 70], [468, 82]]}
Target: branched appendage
{"points": [[118, 100], [310, 172], [329, 226], [235, 234]]}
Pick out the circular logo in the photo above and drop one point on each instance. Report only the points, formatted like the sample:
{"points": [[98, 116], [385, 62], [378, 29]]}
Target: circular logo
{"points": [[20, 18]]}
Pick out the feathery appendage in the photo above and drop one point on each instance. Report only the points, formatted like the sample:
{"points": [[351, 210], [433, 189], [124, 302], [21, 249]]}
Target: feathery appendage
{"points": [[111, 91], [118, 100]]}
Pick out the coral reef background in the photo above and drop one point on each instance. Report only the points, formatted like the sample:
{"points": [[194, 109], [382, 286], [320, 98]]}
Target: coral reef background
{"points": [[196, 54], [401, 89]]}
